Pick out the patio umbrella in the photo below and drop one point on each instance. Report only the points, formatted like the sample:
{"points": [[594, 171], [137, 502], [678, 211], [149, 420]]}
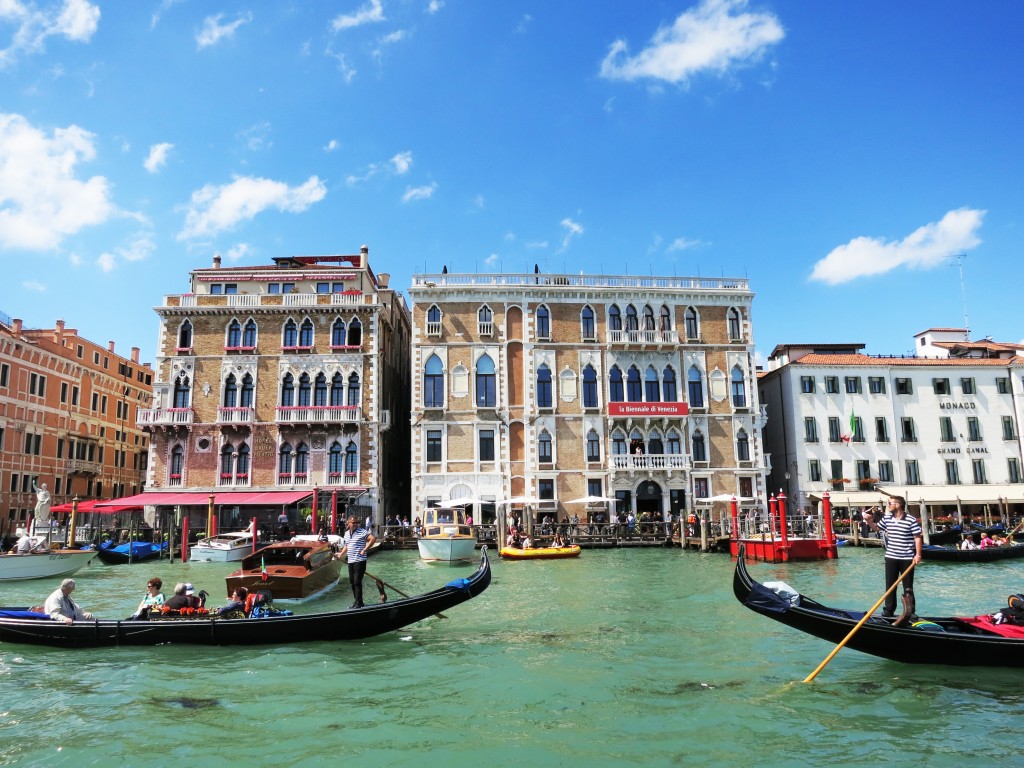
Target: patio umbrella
{"points": [[591, 500], [448, 504], [519, 500]]}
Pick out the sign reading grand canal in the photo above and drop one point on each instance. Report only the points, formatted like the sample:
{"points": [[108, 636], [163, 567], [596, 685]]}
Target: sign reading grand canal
{"points": [[648, 409]]}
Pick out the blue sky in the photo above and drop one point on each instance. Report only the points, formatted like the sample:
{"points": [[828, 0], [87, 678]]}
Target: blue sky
{"points": [[840, 155]]}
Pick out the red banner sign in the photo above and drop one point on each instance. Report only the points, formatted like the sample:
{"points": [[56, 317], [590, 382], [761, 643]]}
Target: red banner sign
{"points": [[648, 409]]}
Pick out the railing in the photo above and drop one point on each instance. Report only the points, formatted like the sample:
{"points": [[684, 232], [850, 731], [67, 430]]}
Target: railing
{"points": [[433, 329], [233, 481], [649, 461], [317, 414], [485, 329], [342, 478], [241, 415], [191, 300], [581, 281], [174, 480], [74, 466], [153, 416], [243, 299], [642, 337]]}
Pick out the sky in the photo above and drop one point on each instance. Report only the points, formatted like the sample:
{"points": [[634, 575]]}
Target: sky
{"points": [[860, 163]]}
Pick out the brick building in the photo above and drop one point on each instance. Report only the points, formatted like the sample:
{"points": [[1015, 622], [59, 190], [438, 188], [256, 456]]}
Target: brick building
{"points": [[282, 379], [549, 388], [67, 419]]}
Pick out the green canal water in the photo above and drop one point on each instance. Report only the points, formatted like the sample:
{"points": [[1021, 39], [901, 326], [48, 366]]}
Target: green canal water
{"points": [[621, 657]]}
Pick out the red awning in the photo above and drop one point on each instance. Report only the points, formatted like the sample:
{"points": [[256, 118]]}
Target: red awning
{"points": [[202, 499]]}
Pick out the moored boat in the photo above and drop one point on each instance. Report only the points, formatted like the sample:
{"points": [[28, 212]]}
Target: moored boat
{"points": [[223, 548], [446, 536], [966, 641], [291, 570], [43, 565], [986, 555], [21, 625], [112, 553], [541, 553]]}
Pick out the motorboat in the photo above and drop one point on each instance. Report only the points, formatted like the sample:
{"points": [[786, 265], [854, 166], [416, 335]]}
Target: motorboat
{"points": [[446, 536], [43, 565], [291, 570], [223, 548], [539, 553]]}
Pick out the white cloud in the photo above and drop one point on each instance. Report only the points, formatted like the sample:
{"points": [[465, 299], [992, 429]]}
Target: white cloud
{"points": [[419, 193], [33, 285], [257, 137], [369, 13], [41, 200], [393, 37], [165, 5], [682, 244], [214, 209], [926, 247], [491, 260], [75, 20], [537, 244], [75, 259], [716, 36], [106, 261], [213, 31], [434, 6], [332, 146], [238, 251], [157, 157], [138, 247], [402, 162], [572, 229], [478, 201]]}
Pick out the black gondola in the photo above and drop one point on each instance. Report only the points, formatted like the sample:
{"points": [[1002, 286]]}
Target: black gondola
{"points": [[273, 630], [987, 555], [953, 641], [112, 553]]}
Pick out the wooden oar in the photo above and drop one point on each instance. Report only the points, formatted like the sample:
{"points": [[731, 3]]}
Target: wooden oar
{"points": [[860, 624], [396, 589]]}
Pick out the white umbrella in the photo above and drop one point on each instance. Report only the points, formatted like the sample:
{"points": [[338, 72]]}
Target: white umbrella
{"points": [[519, 500], [591, 500], [724, 497]]}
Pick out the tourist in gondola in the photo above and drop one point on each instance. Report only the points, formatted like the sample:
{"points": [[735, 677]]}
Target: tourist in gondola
{"points": [[903, 541], [153, 598], [968, 542], [61, 607]]}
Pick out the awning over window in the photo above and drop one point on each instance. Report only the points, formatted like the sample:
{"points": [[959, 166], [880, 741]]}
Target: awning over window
{"points": [[931, 494], [202, 498]]}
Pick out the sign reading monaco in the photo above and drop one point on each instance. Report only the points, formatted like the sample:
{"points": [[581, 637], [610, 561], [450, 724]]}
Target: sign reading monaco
{"points": [[648, 409]]}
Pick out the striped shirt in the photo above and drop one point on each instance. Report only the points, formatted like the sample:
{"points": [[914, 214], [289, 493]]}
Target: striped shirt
{"points": [[355, 543], [899, 536]]}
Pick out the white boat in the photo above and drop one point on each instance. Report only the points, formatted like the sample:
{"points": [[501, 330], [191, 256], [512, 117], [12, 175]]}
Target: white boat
{"points": [[223, 548], [43, 565], [446, 537]]}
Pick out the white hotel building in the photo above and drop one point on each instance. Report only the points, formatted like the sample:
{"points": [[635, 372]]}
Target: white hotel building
{"points": [[941, 428]]}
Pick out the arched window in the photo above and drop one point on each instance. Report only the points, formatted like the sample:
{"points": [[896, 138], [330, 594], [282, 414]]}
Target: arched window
{"points": [[652, 387], [337, 389], [589, 387], [284, 466], [632, 322], [593, 447], [335, 464], [306, 333], [291, 334], [486, 386], [320, 390], [249, 334], [177, 462], [353, 389], [226, 461], [351, 458], [338, 333], [739, 389], [242, 464], [742, 446], [668, 384], [355, 333], [700, 452], [182, 392], [695, 387], [654, 445], [648, 318], [544, 447], [587, 326], [692, 326], [304, 390], [234, 334], [301, 460], [665, 323], [615, 391], [185, 335], [734, 324], [633, 389], [433, 383], [485, 321], [675, 446], [619, 444], [434, 314], [288, 391], [543, 322], [543, 387], [247, 391], [230, 391], [614, 318]]}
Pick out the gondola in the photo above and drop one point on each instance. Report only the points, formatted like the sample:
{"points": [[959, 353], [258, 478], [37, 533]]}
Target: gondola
{"points": [[987, 555], [955, 641], [112, 553], [17, 627], [540, 553]]}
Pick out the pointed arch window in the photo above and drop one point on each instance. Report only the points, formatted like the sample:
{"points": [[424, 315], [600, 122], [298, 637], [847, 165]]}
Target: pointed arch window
{"points": [[675, 445], [739, 388], [291, 334], [351, 462], [614, 318], [652, 387], [734, 324], [338, 332], [337, 389], [742, 446], [234, 334], [665, 322], [335, 461], [301, 461], [668, 384], [589, 387], [249, 334], [185, 336], [247, 392], [306, 333], [433, 383], [691, 323], [543, 322], [486, 386], [587, 326], [485, 321], [227, 463], [700, 452], [615, 391], [619, 444], [230, 391], [177, 466], [634, 392], [353, 389], [648, 318], [544, 447], [655, 446], [284, 465], [182, 392], [632, 321], [695, 387], [320, 389], [304, 390], [355, 333], [288, 391], [593, 447], [242, 463], [434, 320], [543, 387]]}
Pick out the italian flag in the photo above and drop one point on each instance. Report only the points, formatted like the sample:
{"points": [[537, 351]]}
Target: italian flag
{"points": [[263, 569]]}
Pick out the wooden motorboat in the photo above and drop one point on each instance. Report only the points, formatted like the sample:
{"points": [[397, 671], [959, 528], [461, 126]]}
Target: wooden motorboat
{"points": [[224, 547], [43, 565], [112, 553], [987, 555], [966, 641], [20, 625], [446, 536], [540, 553], [291, 570]]}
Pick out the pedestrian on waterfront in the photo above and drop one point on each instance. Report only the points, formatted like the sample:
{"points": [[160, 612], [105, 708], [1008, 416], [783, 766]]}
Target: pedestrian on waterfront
{"points": [[153, 598], [61, 607], [903, 540], [357, 544], [282, 526]]}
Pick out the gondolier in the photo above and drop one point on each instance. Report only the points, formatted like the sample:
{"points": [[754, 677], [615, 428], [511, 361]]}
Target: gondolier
{"points": [[357, 544], [903, 539]]}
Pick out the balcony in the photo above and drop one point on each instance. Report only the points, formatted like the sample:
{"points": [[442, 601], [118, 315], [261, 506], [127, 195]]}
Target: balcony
{"points": [[226, 480], [643, 338], [82, 467], [650, 461], [342, 478], [203, 301], [153, 417], [317, 414], [243, 415]]}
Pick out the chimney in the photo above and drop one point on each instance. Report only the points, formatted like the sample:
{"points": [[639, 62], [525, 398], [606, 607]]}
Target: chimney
{"points": [[16, 327], [382, 280], [110, 346], [58, 333], [364, 253], [135, 354], [216, 261]]}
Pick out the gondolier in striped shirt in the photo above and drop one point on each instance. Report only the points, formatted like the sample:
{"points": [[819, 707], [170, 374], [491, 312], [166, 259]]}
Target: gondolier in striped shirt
{"points": [[357, 543], [903, 536]]}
